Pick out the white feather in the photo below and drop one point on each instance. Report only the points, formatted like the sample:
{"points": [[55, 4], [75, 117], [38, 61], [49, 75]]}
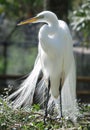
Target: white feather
{"points": [[24, 95], [68, 94]]}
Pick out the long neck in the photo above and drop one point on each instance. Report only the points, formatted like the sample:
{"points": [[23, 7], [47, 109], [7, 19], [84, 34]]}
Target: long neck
{"points": [[49, 29], [45, 34], [53, 27]]}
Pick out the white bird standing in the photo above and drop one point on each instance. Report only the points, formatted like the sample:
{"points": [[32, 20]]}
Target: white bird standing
{"points": [[56, 61]]}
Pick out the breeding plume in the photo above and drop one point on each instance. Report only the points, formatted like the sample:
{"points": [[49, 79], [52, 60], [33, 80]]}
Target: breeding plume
{"points": [[55, 61]]}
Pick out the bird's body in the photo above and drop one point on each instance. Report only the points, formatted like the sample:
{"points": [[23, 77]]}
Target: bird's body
{"points": [[56, 61], [54, 56]]}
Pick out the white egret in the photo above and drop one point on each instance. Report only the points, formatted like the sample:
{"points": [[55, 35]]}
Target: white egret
{"points": [[56, 61]]}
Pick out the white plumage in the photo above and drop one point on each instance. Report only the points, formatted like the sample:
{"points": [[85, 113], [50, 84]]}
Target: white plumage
{"points": [[56, 61]]}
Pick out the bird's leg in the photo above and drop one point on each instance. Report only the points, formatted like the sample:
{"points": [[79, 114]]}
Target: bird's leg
{"points": [[47, 101], [60, 87]]}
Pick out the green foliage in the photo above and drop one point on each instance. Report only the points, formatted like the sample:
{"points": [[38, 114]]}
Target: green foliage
{"points": [[81, 20], [20, 8], [32, 119]]}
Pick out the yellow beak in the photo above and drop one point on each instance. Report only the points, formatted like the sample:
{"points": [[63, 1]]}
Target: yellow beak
{"points": [[31, 20]]}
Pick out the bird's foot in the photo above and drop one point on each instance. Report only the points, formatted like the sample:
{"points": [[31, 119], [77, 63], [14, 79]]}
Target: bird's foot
{"points": [[46, 118], [51, 118]]}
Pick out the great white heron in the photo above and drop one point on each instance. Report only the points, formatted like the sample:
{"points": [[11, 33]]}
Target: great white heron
{"points": [[56, 62]]}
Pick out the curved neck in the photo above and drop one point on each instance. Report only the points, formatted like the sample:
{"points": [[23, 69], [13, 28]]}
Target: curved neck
{"points": [[53, 27], [46, 32]]}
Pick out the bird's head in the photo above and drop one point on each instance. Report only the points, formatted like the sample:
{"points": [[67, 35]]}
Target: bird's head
{"points": [[45, 16]]}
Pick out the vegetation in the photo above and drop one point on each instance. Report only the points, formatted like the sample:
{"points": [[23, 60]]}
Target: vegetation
{"points": [[32, 119], [21, 8], [80, 20]]}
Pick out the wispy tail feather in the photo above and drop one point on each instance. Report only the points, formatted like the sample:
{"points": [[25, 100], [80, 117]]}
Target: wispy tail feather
{"points": [[24, 95], [40, 93], [69, 103]]}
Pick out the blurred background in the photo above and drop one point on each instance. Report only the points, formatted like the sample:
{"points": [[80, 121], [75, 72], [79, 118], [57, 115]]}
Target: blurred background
{"points": [[18, 44]]}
